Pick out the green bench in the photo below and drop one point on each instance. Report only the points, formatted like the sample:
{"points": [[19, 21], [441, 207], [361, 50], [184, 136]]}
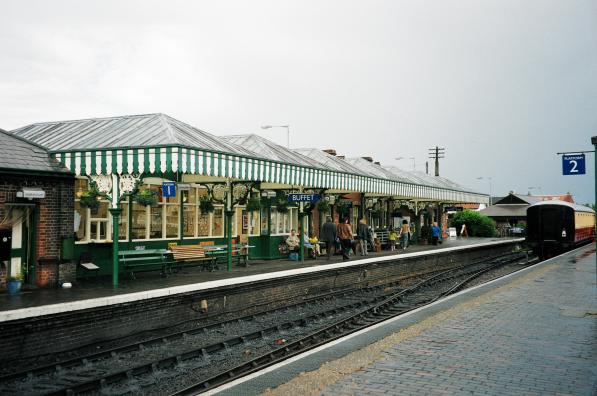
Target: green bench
{"points": [[145, 260], [220, 252]]}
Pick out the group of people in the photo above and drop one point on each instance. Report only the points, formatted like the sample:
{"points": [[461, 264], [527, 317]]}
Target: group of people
{"points": [[340, 237], [403, 235]]}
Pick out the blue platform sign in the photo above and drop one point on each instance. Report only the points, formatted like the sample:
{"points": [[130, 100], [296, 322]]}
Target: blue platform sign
{"points": [[573, 164], [168, 189], [303, 197]]}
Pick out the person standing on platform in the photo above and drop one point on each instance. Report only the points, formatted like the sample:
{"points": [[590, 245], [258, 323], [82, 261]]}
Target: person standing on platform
{"points": [[329, 235], [435, 233], [362, 234], [404, 234], [345, 235], [392, 236]]}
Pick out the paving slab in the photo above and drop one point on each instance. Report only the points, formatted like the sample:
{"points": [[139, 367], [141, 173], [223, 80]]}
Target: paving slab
{"points": [[532, 333]]}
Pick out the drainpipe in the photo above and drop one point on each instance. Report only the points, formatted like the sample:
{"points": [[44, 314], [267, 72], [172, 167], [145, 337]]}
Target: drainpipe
{"points": [[229, 224]]}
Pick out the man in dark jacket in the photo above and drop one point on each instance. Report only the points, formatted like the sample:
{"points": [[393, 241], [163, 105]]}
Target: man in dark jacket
{"points": [[328, 235]]}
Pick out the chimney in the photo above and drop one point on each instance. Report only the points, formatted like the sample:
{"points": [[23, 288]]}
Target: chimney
{"points": [[330, 152], [370, 159], [377, 163], [341, 156]]}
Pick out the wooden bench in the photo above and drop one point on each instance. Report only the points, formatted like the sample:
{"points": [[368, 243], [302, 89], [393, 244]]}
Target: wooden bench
{"points": [[144, 260], [190, 254]]}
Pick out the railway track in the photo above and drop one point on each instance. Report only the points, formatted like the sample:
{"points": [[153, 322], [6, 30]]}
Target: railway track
{"points": [[245, 344]]}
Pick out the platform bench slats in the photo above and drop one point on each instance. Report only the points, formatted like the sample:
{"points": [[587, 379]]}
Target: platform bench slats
{"points": [[190, 254]]}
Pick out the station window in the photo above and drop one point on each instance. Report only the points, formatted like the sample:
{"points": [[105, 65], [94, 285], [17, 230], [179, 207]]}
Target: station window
{"points": [[282, 223], [91, 224]]}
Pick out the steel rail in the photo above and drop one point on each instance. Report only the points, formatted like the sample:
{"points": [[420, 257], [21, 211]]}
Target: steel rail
{"points": [[80, 360], [108, 379], [363, 319]]}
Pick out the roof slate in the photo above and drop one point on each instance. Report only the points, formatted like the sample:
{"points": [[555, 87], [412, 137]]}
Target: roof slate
{"points": [[261, 147], [18, 154], [328, 161], [144, 130]]}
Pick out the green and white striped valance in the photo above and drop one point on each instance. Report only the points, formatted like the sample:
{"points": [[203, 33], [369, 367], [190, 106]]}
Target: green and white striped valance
{"points": [[161, 160]]}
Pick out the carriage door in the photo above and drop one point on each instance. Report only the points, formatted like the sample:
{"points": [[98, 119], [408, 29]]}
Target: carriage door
{"points": [[551, 224]]}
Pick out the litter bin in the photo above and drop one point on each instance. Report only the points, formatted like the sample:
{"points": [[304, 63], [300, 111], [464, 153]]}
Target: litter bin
{"points": [[67, 251]]}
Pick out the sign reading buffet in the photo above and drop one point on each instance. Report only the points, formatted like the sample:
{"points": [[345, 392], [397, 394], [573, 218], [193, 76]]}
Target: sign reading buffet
{"points": [[294, 197]]}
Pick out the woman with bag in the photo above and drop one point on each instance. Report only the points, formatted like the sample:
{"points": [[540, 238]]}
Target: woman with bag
{"points": [[345, 236]]}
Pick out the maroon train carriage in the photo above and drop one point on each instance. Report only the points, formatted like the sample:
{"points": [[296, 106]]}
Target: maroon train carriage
{"points": [[554, 227]]}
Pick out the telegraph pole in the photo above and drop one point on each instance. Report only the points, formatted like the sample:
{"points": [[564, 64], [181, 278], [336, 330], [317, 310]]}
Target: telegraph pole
{"points": [[437, 153]]}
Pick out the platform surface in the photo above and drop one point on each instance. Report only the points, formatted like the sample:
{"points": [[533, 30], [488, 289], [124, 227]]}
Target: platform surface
{"points": [[95, 292], [532, 333]]}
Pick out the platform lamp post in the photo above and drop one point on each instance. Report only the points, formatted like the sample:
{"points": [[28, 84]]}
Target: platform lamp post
{"points": [[280, 126], [487, 178]]}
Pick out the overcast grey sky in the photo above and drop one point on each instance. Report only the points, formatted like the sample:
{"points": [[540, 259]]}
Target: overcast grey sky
{"points": [[502, 85]]}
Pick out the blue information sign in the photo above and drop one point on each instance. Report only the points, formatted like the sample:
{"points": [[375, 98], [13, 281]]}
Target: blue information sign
{"points": [[303, 197], [573, 164], [168, 189]]}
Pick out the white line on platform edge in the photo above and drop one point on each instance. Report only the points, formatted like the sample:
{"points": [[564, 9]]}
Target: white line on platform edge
{"points": [[357, 333], [49, 309]]}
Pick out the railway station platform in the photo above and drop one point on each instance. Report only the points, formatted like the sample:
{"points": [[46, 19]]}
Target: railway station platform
{"points": [[530, 333], [96, 292]]}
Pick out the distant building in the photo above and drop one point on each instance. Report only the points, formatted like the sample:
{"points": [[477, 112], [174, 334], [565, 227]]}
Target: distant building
{"points": [[510, 212]]}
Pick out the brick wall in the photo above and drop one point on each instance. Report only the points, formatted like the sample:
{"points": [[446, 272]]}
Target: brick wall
{"points": [[29, 337], [55, 215]]}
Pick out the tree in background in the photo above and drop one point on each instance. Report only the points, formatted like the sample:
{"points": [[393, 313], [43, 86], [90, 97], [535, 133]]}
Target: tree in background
{"points": [[591, 205], [477, 224]]}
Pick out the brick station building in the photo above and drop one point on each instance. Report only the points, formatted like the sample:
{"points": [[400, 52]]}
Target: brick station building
{"points": [[36, 214]]}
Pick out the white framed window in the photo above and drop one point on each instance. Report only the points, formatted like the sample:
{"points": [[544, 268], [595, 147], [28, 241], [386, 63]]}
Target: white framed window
{"points": [[91, 224], [282, 223]]}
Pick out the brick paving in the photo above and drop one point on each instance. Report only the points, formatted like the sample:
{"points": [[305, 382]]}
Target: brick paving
{"points": [[537, 337]]}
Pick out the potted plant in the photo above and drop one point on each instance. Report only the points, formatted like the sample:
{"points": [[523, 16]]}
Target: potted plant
{"points": [[90, 199], [146, 197], [205, 205], [343, 210], [253, 204], [323, 206], [13, 284]]}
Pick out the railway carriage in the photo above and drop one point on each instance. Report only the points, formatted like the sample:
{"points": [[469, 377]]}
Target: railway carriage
{"points": [[557, 226]]}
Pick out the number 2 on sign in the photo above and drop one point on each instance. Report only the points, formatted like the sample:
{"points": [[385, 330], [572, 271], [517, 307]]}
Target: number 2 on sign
{"points": [[574, 165]]}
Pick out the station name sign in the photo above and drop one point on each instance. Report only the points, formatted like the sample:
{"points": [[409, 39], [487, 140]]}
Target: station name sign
{"points": [[31, 193], [303, 197]]}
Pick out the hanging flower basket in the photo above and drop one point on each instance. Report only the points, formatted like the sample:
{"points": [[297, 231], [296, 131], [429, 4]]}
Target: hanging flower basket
{"points": [[90, 199], [282, 206], [375, 214], [323, 206], [253, 204], [206, 205], [146, 198], [342, 209]]}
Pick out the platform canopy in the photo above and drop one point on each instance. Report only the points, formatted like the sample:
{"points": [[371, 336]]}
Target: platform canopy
{"points": [[156, 144]]}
